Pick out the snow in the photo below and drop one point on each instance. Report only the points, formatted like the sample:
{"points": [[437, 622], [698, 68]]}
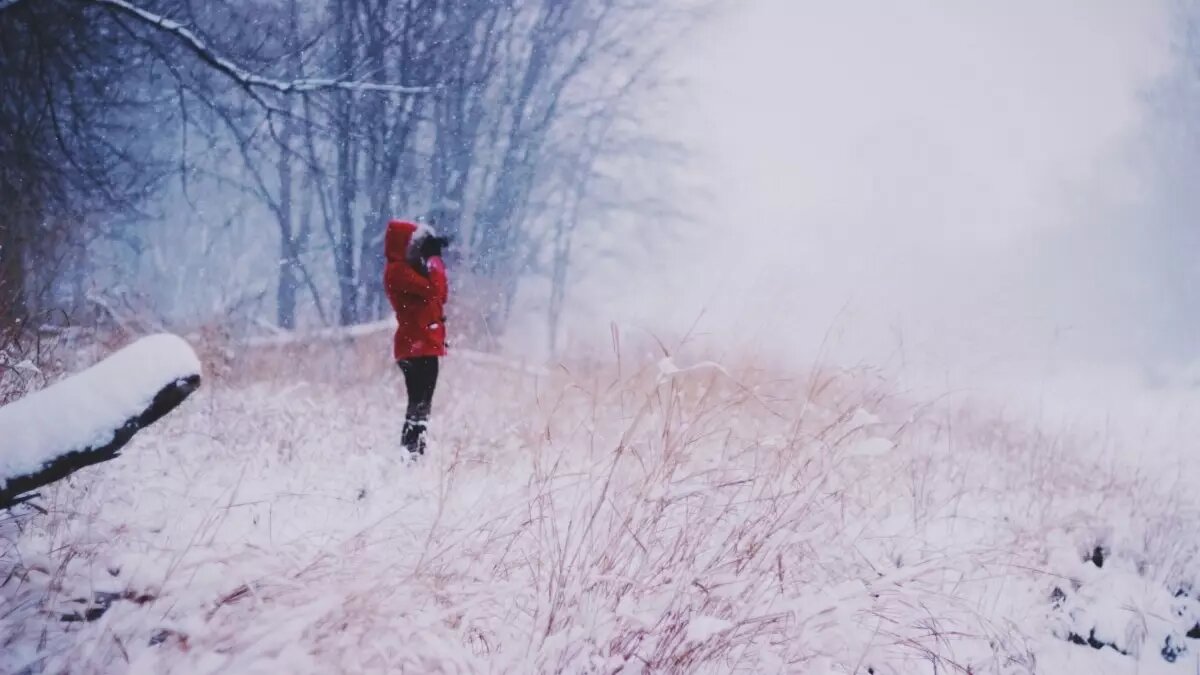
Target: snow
{"points": [[702, 628], [872, 447], [85, 409], [667, 368], [592, 522]]}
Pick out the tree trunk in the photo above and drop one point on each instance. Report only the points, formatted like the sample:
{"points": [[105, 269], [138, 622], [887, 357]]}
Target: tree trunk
{"points": [[13, 308], [558, 284], [14, 244], [289, 256], [289, 253], [303, 236], [344, 16]]}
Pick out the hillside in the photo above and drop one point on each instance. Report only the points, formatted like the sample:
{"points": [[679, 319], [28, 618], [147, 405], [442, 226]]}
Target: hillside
{"points": [[634, 515]]}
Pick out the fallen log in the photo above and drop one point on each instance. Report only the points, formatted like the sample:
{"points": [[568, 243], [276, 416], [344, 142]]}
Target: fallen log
{"points": [[386, 327], [88, 418]]}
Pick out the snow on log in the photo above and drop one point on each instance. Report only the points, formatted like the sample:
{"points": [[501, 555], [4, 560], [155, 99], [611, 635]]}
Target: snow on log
{"points": [[87, 418]]}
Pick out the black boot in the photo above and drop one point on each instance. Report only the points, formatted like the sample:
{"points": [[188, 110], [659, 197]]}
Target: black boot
{"points": [[413, 437]]}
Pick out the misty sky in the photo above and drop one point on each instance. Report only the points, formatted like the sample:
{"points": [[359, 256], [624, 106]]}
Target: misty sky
{"points": [[905, 172]]}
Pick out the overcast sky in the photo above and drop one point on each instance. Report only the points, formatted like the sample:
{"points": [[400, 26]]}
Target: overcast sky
{"points": [[897, 171]]}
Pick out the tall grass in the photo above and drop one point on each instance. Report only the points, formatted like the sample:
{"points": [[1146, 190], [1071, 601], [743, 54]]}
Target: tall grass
{"points": [[607, 518]]}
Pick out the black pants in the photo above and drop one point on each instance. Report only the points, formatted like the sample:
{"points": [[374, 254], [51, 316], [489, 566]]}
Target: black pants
{"points": [[420, 379]]}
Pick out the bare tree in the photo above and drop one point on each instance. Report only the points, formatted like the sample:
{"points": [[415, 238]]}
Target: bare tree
{"points": [[500, 121], [76, 96]]}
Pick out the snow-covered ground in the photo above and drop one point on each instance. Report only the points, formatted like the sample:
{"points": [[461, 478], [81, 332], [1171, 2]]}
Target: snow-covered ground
{"points": [[640, 518]]}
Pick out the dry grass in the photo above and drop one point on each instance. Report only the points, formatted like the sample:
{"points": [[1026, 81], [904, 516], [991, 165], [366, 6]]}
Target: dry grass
{"points": [[607, 518]]}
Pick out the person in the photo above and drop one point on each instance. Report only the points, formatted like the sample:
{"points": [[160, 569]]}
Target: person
{"points": [[417, 287]]}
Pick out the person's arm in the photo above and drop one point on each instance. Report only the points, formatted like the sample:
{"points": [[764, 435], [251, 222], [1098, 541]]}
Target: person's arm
{"points": [[402, 279], [437, 277]]}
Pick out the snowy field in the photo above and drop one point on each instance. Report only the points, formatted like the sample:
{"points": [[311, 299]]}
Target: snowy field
{"points": [[620, 517]]}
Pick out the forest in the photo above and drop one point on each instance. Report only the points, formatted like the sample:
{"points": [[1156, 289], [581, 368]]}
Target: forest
{"points": [[181, 163]]}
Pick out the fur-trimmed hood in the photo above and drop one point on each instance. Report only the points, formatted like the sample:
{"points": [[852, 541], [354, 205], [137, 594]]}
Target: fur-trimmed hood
{"points": [[403, 239]]}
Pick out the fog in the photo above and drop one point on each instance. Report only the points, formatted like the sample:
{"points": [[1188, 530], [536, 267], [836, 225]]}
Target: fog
{"points": [[925, 185], [978, 189]]}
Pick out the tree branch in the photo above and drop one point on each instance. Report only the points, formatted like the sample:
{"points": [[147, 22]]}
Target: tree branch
{"points": [[248, 80]]}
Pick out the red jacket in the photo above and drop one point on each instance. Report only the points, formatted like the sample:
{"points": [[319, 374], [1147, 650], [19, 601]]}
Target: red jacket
{"points": [[418, 299]]}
